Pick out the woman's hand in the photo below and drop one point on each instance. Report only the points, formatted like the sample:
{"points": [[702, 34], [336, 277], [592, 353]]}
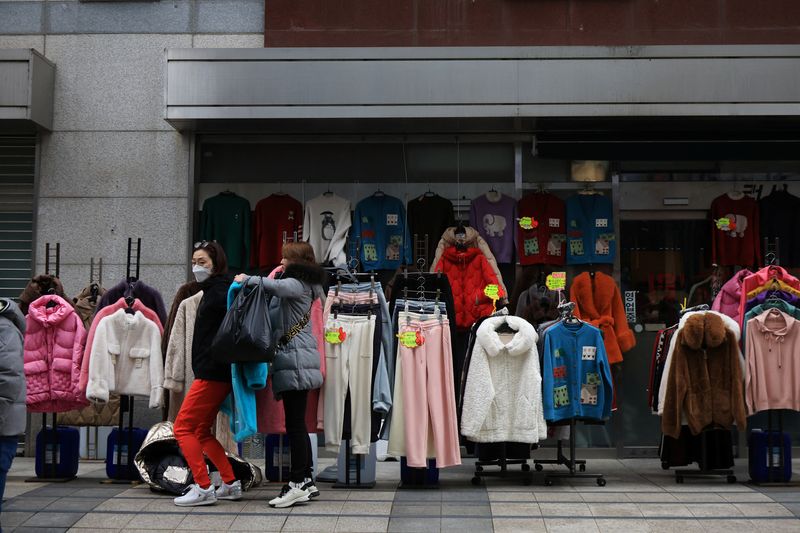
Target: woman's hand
{"points": [[241, 278]]}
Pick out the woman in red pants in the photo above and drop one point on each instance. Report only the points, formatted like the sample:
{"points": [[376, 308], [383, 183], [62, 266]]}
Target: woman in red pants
{"points": [[211, 385]]}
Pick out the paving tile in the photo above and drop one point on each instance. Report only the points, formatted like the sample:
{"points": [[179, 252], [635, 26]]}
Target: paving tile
{"points": [[665, 510], [28, 503], [23, 529], [315, 507], [325, 495], [308, 523], [508, 510], [93, 530], [98, 492], [781, 526], [722, 510], [793, 507], [558, 497], [206, 522], [57, 520], [458, 510], [257, 523], [512, 497], [417, 495], [124, 504], [415, 525], [557, 510], [167, 506], [670, 525], [352, 524], [467, 524], [70, 504], [605, 497], [13, 518], [570, 525], [416, 510], [699, 497], [147, 520], [784, 496], [462, 496], [517, 525], [366, 495], [614, 510], [138, 492], [726, 526], [133, 530], [651, 497], [611, 525], [102, 520], [367, 508], [221, 507], [746, 497], [763, 509]]}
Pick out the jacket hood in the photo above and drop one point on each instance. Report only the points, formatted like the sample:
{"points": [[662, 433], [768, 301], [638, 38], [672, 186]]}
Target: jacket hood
{"points": [[10, 311], [454, 255], [704, 330], [53, 315], [524, 338], [449, 236], [310, 273], [729, 323]]}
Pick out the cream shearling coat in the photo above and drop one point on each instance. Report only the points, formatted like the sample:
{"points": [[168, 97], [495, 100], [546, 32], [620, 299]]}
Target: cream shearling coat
{"points": [[126, 359], [178, 374], [503, 393]]}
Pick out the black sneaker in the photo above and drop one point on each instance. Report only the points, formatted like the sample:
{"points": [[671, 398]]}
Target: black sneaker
{"points": [[312, 489]]}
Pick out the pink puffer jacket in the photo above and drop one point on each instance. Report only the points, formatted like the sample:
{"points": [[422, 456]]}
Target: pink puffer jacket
{"points": [[53, 352]]}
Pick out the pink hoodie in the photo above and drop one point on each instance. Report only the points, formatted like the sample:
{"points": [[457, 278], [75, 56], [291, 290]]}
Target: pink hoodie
{"points": [[54, 342], [102, 313], [269, 411], [729, 297]]}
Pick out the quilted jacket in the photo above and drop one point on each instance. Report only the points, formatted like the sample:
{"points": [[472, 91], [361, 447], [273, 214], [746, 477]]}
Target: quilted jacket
{"points": [[53, 353], [729, 297], [468, 272], [472, 239]]}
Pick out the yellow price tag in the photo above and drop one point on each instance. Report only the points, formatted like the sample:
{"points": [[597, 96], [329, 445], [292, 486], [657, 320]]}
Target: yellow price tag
{"points": [[492, 292], [528, 223], [557, 281], [723, 223], [411, 339], [334, 336]]}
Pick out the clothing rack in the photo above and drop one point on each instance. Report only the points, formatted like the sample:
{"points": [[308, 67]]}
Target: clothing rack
{"points": [[567, 309], [126, 402], [52, 258]]}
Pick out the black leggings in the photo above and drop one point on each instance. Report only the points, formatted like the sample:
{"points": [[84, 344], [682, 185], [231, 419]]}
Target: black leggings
{"points": [[294, 408]]}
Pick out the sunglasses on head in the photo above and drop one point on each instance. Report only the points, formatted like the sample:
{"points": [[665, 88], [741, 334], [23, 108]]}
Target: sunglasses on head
{"points": [[202, 244]]}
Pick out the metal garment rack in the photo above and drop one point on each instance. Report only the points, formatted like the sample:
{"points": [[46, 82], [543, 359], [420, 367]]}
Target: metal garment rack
{"points": [[50, 437], [126, 401]]}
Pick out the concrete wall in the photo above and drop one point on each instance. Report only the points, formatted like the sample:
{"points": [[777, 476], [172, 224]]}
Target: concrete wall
{"points": [[112, 168]]}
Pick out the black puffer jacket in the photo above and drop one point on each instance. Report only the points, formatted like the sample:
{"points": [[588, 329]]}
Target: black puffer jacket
{"points": [[210, 313]]}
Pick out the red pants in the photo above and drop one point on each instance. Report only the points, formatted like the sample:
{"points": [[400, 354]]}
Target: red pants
{"points": [[193, 430]]}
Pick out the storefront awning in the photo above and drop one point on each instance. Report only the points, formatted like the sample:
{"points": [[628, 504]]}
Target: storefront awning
{"points": [[218, 88], [26, 90]]}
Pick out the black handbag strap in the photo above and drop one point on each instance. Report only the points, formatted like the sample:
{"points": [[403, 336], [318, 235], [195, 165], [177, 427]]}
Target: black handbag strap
{"points": [[297, 328]]}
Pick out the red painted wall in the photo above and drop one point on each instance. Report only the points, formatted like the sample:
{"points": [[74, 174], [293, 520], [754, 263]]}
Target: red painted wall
{"points": [[529, 22]]}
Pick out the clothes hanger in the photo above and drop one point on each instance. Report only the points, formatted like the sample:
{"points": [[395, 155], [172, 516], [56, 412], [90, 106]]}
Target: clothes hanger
{"points": [[129, 300]]}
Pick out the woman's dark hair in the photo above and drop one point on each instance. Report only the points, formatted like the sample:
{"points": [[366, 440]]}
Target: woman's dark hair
{"points": [[217, 255], [299, 252]]}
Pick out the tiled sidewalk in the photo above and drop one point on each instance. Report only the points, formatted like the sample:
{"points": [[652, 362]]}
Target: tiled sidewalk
{"points": [[639, 496]]}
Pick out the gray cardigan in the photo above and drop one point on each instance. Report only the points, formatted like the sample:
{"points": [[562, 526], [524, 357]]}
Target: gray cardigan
{"points": [[12, 374], [296, 366]]}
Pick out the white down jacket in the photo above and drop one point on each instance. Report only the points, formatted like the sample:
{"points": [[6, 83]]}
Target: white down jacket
{"points": [[503, 393]]}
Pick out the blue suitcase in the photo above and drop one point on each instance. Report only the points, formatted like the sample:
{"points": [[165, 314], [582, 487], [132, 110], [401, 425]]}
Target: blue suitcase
{"points": [[419, 477], [279, 457], [761, 445], [66, 441], [125, 469]]}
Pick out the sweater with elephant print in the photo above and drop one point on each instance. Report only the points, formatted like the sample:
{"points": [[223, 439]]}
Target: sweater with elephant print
{"points": [[494, 215], [735, 234]]}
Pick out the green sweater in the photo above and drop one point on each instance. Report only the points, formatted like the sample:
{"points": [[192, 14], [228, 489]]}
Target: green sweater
{"points": [[226, 219]]}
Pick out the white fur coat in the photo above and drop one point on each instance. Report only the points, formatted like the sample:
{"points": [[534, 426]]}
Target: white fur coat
{"points": [[503, 393]]}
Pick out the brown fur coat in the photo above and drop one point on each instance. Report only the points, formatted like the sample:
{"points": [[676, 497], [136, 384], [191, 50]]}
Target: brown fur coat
{"points": [[705, 378]]}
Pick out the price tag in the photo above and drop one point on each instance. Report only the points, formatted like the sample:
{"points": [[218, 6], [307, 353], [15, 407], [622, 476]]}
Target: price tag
{"points": [[726, 224], [528, 223], [335, 336], [557, 281], [492, 292], [411, 339]]}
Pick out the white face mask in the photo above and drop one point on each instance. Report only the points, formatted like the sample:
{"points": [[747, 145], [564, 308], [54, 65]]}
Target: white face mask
{"points": [[201, 273]]}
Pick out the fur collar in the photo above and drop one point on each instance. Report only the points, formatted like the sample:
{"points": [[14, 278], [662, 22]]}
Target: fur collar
{"points": [[471, 240], [729, 323], [593, 301], [310, 273], [524, 338], [704, 329]]}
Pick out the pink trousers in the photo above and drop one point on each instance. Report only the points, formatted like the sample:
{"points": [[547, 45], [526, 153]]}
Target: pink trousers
{"points": [[429, 400]]}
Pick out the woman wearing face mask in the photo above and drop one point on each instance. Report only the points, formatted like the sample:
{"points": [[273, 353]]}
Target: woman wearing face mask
{"points": [[211, 385], [296, 369]]}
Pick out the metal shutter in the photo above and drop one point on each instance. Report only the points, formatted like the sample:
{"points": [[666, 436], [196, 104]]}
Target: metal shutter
{"points": [[17, 169]]}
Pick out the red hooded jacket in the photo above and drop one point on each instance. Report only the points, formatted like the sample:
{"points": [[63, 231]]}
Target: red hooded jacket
{"points": [[469, 273]]}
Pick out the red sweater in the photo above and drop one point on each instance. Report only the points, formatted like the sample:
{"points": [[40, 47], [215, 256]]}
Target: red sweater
{"points": [[543, 241], [738, 241], [469, 273], [274, 215]]}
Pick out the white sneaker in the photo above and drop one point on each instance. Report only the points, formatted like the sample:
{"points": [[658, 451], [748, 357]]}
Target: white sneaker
{"points": [[290, 494], [230, 492], [197, 496], [312, 489]]}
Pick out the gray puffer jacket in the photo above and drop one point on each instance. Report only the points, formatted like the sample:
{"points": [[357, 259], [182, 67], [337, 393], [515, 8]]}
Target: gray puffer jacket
{"points": [[12, 373], [296, 367]]}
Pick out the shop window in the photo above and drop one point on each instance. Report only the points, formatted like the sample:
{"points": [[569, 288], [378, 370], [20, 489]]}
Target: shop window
{"points": [[17, 167]]}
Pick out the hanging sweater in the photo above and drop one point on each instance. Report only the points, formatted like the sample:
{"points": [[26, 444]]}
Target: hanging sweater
{"points": [[735, 233], [542, 239], [428, 218], [779, 222], [494, 215], [178, 374], [380, 233], [772, 378], [278, 218], [126, 359], [469, 273], [576, 375], [226, 219], [325, 226], [503, 392], [590, 230]]}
